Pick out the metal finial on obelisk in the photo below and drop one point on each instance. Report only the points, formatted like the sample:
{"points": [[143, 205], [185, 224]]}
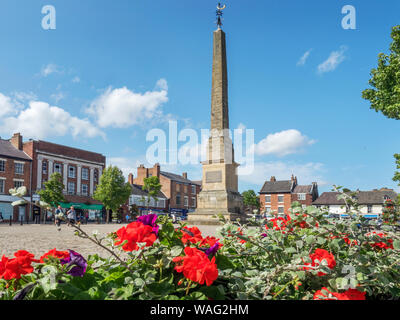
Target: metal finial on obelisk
{"points": [[219, 14]]}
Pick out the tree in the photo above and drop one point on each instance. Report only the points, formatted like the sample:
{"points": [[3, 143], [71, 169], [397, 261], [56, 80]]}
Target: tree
{"points": [[152, 186], [385, 80], [250, 199], [112, 189], [53, 190]]}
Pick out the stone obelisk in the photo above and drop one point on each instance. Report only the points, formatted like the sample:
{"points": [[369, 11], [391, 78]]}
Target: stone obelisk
{"points": [[219, 194]]}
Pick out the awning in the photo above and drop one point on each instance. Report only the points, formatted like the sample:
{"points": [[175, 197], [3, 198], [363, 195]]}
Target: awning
{"points": [[82, 206]]}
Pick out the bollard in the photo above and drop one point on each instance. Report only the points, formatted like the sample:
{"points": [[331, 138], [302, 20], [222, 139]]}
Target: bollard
{"points": [[22, 221]]}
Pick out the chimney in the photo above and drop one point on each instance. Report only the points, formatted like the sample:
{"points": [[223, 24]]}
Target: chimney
{"points": [[156, 170], [16, 141], [130, 178], [184, 175], [273, 179]]}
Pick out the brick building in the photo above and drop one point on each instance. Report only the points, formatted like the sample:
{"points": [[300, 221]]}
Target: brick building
{"points": [[278, 196], [80, 169], [179, 190], [15, 171]]}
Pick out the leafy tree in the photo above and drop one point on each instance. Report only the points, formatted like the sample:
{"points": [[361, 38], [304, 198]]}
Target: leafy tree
{"points": [[152, 186], [53, 190], [251, 199], [385, 82], [112, 189]]}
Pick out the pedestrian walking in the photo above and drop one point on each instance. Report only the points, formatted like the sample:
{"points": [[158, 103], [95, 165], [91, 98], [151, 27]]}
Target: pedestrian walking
{"points": [[59, 214], [1, 217], [86, 216], [71, 215]]}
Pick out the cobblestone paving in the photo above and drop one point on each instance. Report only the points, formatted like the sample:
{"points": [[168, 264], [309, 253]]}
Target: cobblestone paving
{"points": [[39, 239]]}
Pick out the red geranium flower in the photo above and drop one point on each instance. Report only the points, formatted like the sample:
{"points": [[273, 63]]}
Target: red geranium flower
{"points": [[196, 266], [14, 268], [192, 235], [54, 253], [383, 245], [317, 257], [135, 232], [350, 294], [211, 241]]}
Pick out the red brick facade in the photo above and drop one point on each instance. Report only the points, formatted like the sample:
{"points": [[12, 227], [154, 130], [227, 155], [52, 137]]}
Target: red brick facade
{"points": [[175, 188], [15, 171], [278, 196]]}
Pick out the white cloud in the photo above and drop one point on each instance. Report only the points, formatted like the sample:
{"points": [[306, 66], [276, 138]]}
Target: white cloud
{"points": [[335, 58], [49, 69], [303, 59], [162, 84], [305, 173], [40, 120], [58, 96], [283, 143], [6, 105], [76, 79], [122, 108]]}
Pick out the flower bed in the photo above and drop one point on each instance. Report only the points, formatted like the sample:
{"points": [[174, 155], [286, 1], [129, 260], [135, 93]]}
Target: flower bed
{"points": [[304, 255]]}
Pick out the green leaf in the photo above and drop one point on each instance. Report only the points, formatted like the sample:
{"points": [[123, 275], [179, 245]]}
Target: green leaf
{"points": [[396, 244]]}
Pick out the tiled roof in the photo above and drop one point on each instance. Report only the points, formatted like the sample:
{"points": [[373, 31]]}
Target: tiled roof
{"points": [[137, 190], [8, 150], [363, 198], [284, 186], [176, 177]]}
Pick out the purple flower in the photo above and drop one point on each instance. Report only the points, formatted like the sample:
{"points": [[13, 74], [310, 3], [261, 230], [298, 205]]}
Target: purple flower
{"points": [[213, 250], [150, 220], [76, 260]]}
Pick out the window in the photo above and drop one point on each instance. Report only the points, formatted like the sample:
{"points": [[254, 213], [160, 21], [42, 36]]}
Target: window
{"points": [[96, 175], [194, 202], [2, 185], [161, 203], [71, 187], [18, 183], [280, 210], [71, 172], [85, 189], [57, 168], [44, 167], [85, 174], [186, 201], [2, 165], [178, 199], [369, 209], [19, 168], [268, 209], [268, 198], [280, 198], [301, 196], [193, 189]]}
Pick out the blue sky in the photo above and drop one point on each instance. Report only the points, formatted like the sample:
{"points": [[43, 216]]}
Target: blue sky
{"points": [[113, 70]]}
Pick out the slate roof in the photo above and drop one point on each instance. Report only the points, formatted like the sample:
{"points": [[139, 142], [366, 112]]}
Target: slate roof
{"points": [[137, 190], [8, 150], [302, 189], [363, 197], [176, 177], [284, 186]]}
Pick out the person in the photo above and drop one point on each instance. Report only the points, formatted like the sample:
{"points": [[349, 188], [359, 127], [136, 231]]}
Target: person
{"points": [[71, 215], [1, 217], [127, 218], [57, 218], [86, 216]]}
